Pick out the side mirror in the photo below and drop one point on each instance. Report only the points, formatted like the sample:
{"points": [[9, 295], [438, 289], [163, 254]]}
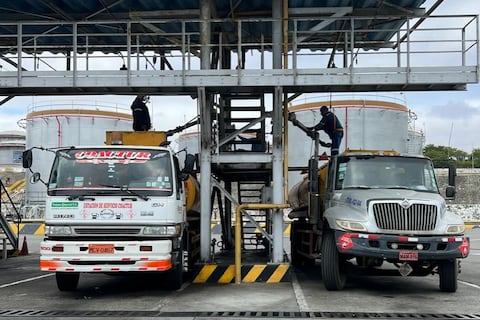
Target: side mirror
{"points": [[452, 173], [35, 177], [450, 192], [189, 163], [27, 159]]}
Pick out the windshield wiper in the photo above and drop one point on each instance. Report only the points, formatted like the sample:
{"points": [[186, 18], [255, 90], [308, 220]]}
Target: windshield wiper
{"points": [[80, 197], [125, 188], [358, 187], [401, 187]]}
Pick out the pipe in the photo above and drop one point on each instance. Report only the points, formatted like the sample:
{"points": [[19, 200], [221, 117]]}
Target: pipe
{"points": [[285, 102], [238, 231], [59, 132]]}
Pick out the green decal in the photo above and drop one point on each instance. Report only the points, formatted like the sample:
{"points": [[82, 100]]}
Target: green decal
{"points": [[64, 204]]}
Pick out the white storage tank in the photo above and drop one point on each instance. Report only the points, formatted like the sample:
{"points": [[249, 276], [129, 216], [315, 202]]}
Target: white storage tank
{"points": [[63, 125], [416, 141], [188, 141], [368, 124], [12, 144]]}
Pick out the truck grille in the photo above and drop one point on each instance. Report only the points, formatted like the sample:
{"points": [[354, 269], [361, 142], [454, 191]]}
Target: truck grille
{"points": [[107, 231], [417, 217]]}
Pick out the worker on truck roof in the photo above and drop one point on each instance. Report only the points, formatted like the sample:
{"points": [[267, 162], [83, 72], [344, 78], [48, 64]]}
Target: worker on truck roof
{"points": [[332, 126], [141, 116], [329, 123]]}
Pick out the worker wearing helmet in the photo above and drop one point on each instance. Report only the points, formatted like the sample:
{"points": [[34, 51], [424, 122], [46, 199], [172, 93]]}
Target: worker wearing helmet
{"points": [[332, 127]]}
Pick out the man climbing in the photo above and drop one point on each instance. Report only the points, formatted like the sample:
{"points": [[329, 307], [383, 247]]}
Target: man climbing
{"points": [[332, 127], [329, 123]]}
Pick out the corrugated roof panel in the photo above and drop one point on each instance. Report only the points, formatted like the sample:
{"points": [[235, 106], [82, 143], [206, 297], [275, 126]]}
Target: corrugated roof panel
{"points": [[320, 33]]}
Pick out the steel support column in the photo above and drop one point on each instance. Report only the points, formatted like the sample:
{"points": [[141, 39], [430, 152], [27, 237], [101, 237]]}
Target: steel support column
{"points": [[277, 27], [205, 31], [206, 135], [277, 175], [277, 147], [205, 173]]}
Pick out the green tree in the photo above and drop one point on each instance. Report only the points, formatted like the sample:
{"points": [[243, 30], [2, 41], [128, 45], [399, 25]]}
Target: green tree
{"points": [[442, 155], [475, 156]]}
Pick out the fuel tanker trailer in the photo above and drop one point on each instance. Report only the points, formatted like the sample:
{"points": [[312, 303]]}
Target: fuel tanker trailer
{"points": [[123, 207], [372, 210]]}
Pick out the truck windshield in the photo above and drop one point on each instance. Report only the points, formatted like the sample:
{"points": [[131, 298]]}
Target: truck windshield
{"points": [[111, 171], [385, 172]]}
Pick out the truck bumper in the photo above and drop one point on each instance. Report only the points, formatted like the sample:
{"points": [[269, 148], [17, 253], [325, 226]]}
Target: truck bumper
{"points": [[402, 248], [105, 256]]}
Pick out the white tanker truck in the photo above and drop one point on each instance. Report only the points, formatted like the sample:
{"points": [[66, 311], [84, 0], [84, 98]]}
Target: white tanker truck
{"points": [[117, 208], [365, 208]]}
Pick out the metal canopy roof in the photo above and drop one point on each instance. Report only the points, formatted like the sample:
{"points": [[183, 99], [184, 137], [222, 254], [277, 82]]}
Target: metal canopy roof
{"points": [[108, 34]]}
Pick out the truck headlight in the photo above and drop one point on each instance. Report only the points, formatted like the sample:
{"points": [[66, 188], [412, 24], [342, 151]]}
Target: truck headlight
{"points": [[455, 228], [162, 230], [58, 231], [351, 225]]}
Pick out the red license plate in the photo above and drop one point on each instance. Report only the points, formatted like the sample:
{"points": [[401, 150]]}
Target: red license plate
{"points": [[101, 249], [408, 255]]}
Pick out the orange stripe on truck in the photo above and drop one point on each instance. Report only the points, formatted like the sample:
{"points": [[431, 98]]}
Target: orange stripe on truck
{"points": [[160, 265], [49, 265]]}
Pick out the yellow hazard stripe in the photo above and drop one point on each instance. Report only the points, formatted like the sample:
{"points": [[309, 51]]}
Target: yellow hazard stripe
{"points": [[228, 275], [40, 231], [254, 273], [205, 273], [279, 273], [269, 273]]}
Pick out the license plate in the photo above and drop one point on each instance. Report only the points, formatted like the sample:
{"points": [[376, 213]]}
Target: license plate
{"points": [[101, 249], [408, 256]]}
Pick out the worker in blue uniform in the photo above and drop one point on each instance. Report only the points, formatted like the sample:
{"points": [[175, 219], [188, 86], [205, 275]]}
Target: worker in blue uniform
{"points": [[141, 116], [332, 127]]}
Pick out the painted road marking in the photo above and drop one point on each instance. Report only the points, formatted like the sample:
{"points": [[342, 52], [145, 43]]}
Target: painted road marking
{"points": [[25, 280]]}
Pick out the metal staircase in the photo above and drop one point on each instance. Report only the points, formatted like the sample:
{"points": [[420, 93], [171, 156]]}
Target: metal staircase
{"points": [[6, 231], [241, 137], [252, 237]]}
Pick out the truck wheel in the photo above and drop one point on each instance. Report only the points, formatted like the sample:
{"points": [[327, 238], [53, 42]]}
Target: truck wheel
{"points": [[67, 281], [174, 279], [448, 272], [333, 267]]}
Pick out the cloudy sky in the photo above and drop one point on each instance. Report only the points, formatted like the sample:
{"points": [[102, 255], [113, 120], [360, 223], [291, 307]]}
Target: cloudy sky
{"points": [[449, 118]]}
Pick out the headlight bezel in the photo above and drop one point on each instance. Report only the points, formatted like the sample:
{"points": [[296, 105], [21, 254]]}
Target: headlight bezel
{"points": [[455, 229], [162, 230], [351, 225], [58, 230]]}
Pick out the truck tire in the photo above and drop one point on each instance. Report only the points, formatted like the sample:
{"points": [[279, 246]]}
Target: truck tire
{"points": [[333, 267], [67, 281], [174, 277], [448, 272], [296, 259]]}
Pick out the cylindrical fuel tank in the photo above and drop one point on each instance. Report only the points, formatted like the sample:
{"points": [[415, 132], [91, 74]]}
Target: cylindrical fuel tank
{"points": [[368, 124], [298, 196], [192, 192], [63, 125]]}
